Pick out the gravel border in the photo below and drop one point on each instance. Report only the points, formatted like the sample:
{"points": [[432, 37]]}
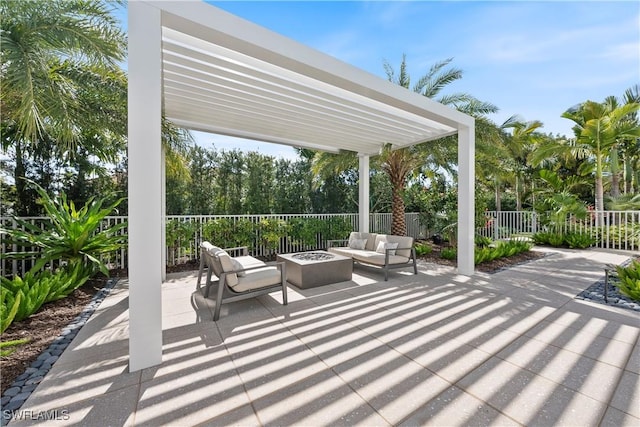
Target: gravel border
{"points": [[595, 293], [19, 391]]}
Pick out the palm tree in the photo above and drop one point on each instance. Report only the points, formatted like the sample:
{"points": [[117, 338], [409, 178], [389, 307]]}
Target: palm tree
{"points": [[51, 53], [598, 127], [46, 48], [519, 144], [399, 164]]}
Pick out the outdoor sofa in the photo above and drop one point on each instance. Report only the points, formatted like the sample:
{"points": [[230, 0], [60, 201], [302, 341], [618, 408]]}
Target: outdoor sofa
{"points": [[239, 277], [383, 250]]}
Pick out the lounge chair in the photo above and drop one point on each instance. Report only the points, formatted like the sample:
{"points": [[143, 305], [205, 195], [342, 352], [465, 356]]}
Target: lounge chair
{"points": [[239, 277]]}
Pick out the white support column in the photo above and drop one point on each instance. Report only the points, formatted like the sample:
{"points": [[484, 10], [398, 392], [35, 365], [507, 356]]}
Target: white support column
{"points": [[363, 192], [163, 215], [466, 199], [145, 194]]}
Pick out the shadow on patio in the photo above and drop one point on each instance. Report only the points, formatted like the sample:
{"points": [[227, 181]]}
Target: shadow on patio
{"points": [[510, 348]]}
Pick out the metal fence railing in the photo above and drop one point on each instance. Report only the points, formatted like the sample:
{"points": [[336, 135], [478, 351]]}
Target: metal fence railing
{"points": [[184, 233], [619, 230]]}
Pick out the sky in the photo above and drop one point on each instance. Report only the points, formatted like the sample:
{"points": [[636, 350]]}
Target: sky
{"points": [[533, 59]]}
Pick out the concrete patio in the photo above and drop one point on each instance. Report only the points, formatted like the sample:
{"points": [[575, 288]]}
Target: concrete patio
{"points": [[511, 348]]}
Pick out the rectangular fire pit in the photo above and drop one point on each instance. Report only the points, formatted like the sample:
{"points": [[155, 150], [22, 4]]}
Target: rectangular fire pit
{"points": [[310, 269]]}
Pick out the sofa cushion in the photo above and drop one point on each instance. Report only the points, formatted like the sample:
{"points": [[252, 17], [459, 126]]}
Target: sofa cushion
{"points": [[383, 246], [256, 279], [405, 243], [378, 258]]}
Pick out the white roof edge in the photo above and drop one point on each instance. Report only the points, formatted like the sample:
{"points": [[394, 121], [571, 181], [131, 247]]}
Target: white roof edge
{"points": [[225, 29]]}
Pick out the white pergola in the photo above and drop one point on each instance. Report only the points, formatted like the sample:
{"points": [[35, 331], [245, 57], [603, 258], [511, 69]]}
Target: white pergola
{"points": [[211, 71]]}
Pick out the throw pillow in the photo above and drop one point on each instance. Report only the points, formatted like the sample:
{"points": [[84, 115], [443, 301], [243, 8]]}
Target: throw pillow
{"points": [[238, 266], [357, 243], [383, 246]]}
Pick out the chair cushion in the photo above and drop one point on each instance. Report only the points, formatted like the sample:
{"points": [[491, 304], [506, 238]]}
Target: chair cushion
{"points": [[370, 238], [259, 278]]}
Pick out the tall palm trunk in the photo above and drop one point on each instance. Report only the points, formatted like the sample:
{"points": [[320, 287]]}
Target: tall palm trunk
{"points": [[398, 223]]}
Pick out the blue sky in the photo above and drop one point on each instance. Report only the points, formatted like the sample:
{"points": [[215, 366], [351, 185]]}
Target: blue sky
{"points": [[535, 59]]}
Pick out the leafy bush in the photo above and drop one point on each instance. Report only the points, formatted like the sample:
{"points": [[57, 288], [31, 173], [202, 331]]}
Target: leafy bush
{"points": [[20, 297], [482, 241], [501, 250], [271, 231], [572, 240], [630, 280], [227, 233], [423, 249], [179, 235], [578, 240], [74, 235], [305, 231], [449, 253]]}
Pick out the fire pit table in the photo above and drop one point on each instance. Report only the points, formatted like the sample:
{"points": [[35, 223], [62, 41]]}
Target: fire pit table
{"points": [[311, 269]]}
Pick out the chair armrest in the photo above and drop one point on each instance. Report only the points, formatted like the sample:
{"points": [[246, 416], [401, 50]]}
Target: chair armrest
{"points": [[331, 242], [242, 250]]}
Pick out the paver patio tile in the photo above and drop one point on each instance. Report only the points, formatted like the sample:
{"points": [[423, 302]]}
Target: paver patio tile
{"points": [[454, 407], [587, 376], [71, 383], [627, 395], [529, 398], [95, 410], [188, 397], [394, 385], [319, 399], [616, 418], [633, 365]]}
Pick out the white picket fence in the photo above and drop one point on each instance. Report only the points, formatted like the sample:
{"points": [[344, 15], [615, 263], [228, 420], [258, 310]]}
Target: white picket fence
{"points": [[185, 251], [621, 229]]}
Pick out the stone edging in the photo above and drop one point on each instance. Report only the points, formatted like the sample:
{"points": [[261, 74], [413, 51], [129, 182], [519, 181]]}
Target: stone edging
{"points": [[20, 390]]}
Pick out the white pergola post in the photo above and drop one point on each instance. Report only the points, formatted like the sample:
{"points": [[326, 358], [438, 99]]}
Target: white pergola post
{"points": [[466, 199], [145, 194], [363, 192]]}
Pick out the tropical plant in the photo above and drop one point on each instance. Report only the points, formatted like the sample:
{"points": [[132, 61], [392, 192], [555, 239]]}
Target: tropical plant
{"points": [[8, 347], [58, 81], [74, 236], [520, 144], [500, 249], [630, 280], [578, 240], [598, 128]]}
